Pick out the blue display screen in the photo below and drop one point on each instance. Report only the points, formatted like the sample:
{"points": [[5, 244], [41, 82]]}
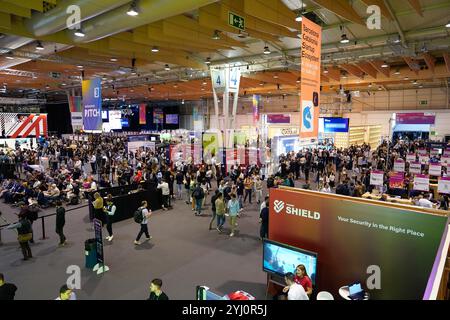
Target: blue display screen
{"points": [[335, 125], [125, 123], [280, 259]]}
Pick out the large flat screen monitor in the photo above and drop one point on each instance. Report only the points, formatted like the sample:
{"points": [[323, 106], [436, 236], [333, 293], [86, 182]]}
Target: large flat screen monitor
{"points": [[330, 125], [280, 259], [171, 118]]}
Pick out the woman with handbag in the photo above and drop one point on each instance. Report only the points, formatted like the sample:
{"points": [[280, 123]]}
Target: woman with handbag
{"points": [[25, 234]]}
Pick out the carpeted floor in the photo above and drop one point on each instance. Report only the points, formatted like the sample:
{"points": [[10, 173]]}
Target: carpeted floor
{"points": [[183, 253]]}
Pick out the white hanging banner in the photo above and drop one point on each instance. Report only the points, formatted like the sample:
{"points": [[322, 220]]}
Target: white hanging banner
{"points": [[411, 157], [423, 159], [421, 182], [219, 80], [399, 166], [234, 79], [415, 167], [377, 178], [444, 185], [435, 169]]}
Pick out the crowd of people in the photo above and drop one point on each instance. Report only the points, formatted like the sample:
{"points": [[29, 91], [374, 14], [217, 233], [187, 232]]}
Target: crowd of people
{"points": [[61, 171]]}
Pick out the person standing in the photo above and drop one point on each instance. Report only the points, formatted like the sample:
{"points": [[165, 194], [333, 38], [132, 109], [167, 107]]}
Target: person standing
{"points": [[7, 290], [220, 211], [264, 220], [233, 211], [258, 189], [213, 208], [248, 184], [110, 210], [65, 293], [164, 186], [98, 207], [25, 234], [155, 291], [93, 161], [146, 213], [179, 179], [240, 193], [60, 222]]}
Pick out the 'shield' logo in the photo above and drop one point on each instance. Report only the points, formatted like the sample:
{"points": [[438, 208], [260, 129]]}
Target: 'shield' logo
{"points": [[279, 205]]}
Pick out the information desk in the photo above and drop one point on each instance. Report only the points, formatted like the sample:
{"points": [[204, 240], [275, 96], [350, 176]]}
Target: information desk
{"points": [[369, 195], [126, 204]]}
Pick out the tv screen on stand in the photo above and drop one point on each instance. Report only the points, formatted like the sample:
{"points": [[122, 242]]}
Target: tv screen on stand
{"points": [[280, 259]]}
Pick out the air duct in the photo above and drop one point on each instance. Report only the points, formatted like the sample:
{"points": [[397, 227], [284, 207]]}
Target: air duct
{"points": [[117, 20], [54, 20]]}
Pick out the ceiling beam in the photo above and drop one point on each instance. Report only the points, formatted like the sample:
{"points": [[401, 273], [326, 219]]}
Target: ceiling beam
{"points": [[15, 10], [447, 61], [333, 73], [416, 6], [377, 65], [429, 60], [413, 65], [368, 69], [274, 11], [341, 8], [28, 4], [353, 70]]}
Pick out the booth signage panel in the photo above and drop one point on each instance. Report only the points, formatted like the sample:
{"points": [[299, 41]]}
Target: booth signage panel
{"points": [[396, 180], [421, 182], [92, 104], [444, 185], [278, 118], [377, 178], [388, 236], [399, 166], [411, 157], [435, 169], [415, 118], [23, 125], [415, 167]]}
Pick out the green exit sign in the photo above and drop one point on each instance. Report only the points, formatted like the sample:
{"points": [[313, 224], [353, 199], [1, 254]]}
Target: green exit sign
{"points": [[423, 102], [236, 21]]}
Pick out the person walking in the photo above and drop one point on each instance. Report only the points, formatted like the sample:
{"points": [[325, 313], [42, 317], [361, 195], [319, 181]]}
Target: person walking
{"points": [[213, 208], [233, 211], [220, 211], [240, 193], [264, 220], [145, 215], [110, 210], [25, 234], [179, 179], [60, 222], [198, 194]]}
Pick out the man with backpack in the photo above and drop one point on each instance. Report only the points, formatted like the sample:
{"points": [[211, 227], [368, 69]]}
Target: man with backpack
{"points": [[141, 216], [24, 235], [198, 194]]}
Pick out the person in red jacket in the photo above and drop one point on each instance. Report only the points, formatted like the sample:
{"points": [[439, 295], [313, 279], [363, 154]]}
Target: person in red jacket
{"points": [[302, 278]]}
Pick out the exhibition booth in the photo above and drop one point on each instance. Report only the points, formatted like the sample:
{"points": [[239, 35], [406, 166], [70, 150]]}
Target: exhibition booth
{"points": [[346, 242]]}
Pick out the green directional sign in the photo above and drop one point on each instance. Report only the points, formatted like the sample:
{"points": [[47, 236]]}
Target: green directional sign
{"points": [[236, 21]]}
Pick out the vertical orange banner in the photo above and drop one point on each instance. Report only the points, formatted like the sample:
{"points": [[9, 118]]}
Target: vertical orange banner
{"points": [[142, 114], [310, 74]]}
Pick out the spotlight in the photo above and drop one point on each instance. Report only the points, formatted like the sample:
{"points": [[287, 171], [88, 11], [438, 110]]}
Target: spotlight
{"points": [[208, 60], [113, 59], [216, 35], [344, 39], [133, 10], [39, 46], [166, 67], [155, 49], [397, 72], [299, 17], [447, 25], [266, 50], [385, 65], [79, 33]]}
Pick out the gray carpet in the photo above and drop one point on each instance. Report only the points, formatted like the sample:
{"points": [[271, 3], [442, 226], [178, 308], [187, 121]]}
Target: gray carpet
{"points": [[183, 253]]}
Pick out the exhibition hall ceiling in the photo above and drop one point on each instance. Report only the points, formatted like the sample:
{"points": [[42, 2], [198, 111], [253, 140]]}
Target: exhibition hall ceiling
{"points": [[149, 49]]}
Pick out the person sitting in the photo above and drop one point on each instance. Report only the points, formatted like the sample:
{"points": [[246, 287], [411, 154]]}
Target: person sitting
{"points": [[53, 193], [294, 290]]}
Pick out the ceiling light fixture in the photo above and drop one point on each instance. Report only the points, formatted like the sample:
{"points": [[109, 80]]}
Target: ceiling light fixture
{"points": [[166, 67], [344, 38], [155, 49], [370, 85], [266, 50], [397, 72], [380, 88], [385, 65], [406, 78], [397, 39], [421, 86], [79, 33], [216, 35], [415, 82], [39, 46], [298, 80], [275, 76], [204, 83], [113, 59], [299, 17], [133, 12], [208, 60], [325, 70], [447, 25]]}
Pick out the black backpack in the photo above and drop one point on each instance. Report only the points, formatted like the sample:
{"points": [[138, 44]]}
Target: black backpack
{"points": [[138, 218], [198, 193]]}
